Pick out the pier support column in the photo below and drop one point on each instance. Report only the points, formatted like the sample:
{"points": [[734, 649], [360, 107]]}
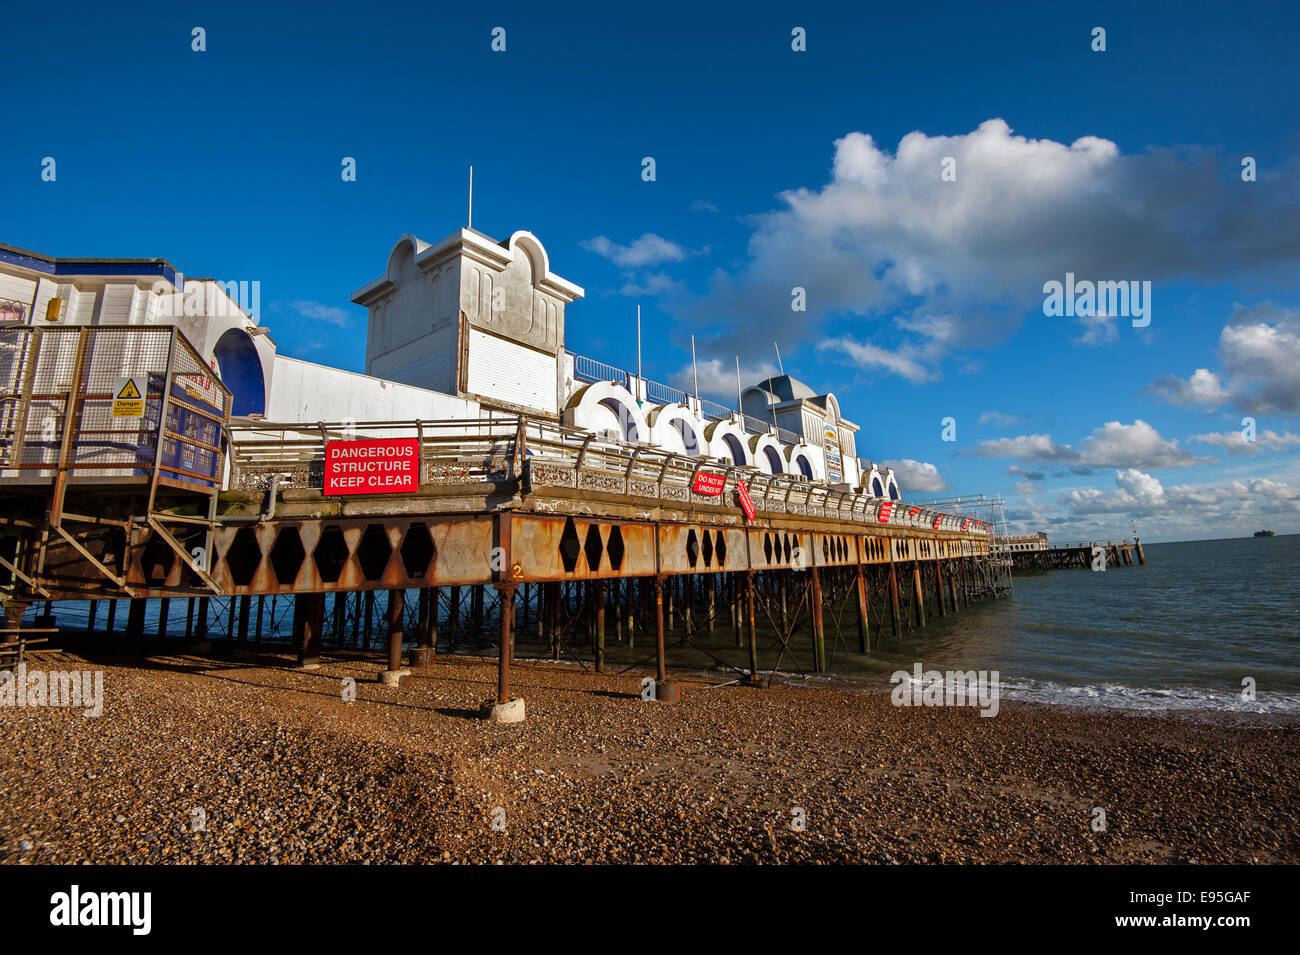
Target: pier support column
{"points": [[164, 609], [918, 594], [598, 602], [112, 616], [864, 621], [753, 629], [938, 587], [90, 617], [422, 653], [135, 618], [952, 588], [309, 621], [396, 608], [895, 611], [504, 709], [665, 691], [818, 622]]}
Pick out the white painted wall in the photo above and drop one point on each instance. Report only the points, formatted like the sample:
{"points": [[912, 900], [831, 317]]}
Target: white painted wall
{"points": [[304, 391]]}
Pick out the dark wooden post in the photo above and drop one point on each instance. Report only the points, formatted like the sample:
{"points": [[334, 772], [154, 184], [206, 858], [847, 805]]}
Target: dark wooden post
{"points": [[309, 621], [864, 622], [598, 600], [818, 622]]}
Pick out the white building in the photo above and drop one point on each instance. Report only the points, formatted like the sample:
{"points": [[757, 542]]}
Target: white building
{"points": [[454, 328]]}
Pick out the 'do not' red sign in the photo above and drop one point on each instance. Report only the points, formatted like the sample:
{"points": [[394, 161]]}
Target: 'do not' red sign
{"points": [[885, 512], [706, 483], [382, 466]]}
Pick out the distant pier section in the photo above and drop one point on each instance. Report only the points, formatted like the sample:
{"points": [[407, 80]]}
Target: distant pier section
{"points": [[1033, 552]]}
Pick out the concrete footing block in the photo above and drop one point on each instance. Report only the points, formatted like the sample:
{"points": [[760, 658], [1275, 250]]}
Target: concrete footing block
{"points": [[666, 691], [421, 656], [309, 666], [511, 712], [393, 677]]}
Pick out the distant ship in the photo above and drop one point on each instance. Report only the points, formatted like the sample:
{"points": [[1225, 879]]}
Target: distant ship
{"points": [[1265, 533]]}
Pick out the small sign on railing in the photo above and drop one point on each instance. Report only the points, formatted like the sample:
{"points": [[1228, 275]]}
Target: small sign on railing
{"points": [[746, 503], [380, 466], [706, 483]]}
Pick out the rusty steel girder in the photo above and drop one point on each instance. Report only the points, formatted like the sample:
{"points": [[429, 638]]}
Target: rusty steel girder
{"points": [[315, 556]]}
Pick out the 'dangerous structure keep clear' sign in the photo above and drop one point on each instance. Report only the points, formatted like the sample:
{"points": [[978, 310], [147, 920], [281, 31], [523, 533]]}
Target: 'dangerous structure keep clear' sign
{"points": [[380, 466]]}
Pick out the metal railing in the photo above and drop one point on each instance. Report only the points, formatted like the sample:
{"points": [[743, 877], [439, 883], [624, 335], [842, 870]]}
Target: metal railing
{"points": [[588, 369], [505, 449]]}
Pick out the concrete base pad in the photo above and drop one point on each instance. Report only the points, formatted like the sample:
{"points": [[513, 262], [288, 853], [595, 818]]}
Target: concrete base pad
{"points": [[667, 691], [309, 666], [393, 677], [421, 656], [494, 712]]}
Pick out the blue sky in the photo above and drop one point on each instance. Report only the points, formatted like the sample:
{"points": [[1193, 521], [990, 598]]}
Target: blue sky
{"points": [[924, 295]]}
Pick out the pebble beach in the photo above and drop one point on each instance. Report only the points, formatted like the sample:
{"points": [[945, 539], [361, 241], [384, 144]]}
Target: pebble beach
{"points": [[198, 759]]}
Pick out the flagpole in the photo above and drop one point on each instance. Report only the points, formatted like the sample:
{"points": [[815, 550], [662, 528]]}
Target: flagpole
{"points": [[778, 357], [638, 353], [695, 373], [469, 222]]}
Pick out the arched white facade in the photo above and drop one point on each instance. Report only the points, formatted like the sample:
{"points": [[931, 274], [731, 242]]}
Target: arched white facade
{"points": [[806, 460], [767, 454], [608, 410], [728, 442], [674, 427]]}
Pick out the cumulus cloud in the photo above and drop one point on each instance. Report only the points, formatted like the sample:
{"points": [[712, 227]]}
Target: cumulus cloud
{"points": [[886, 237], [1260, 352], [318, 311], [1113, 445], [1137, 494], [646, 250], [917, 476], [718, 378], [1235, 443]]}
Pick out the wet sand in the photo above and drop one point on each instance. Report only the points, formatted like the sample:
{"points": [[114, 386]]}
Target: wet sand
{"points": [[274, 767]]}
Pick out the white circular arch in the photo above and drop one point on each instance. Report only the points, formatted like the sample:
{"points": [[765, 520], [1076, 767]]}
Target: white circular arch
{"points": [[796, 455], [765, 451], [727, 441], [674, 427], [609, 410]]}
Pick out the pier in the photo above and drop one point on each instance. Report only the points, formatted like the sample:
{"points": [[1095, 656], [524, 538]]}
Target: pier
{"points": [[520, 529]]}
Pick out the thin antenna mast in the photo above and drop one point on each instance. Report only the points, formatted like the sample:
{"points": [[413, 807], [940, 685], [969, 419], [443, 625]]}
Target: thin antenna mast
{"points": [[695, 373], [778, 357], [638, 353]]}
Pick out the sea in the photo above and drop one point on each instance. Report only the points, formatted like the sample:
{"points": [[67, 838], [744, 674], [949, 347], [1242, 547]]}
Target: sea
{"points": [[1204, 626]]}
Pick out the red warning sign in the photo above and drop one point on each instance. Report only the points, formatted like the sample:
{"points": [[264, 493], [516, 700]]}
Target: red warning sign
{"points": [[706, 483], [382, 466], [965, 523], [937, 519], [886, 509], [746, 503]]}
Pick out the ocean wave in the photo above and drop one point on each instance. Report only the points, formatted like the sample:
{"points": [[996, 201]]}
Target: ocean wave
{"points": [[1120, 697]]}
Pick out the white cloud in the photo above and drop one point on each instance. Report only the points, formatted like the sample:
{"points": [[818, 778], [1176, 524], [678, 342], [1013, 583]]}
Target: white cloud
{"points": [[887, 235], [917, 476], [1260, 352], [1137, 494], [1001, 420], [718, 377], [1113, 445], [1235, 443], [646, 250], [330, 314]]}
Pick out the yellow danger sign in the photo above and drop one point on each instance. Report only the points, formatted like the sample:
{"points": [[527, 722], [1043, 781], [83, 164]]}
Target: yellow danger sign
{"points": [[128, 399]]}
